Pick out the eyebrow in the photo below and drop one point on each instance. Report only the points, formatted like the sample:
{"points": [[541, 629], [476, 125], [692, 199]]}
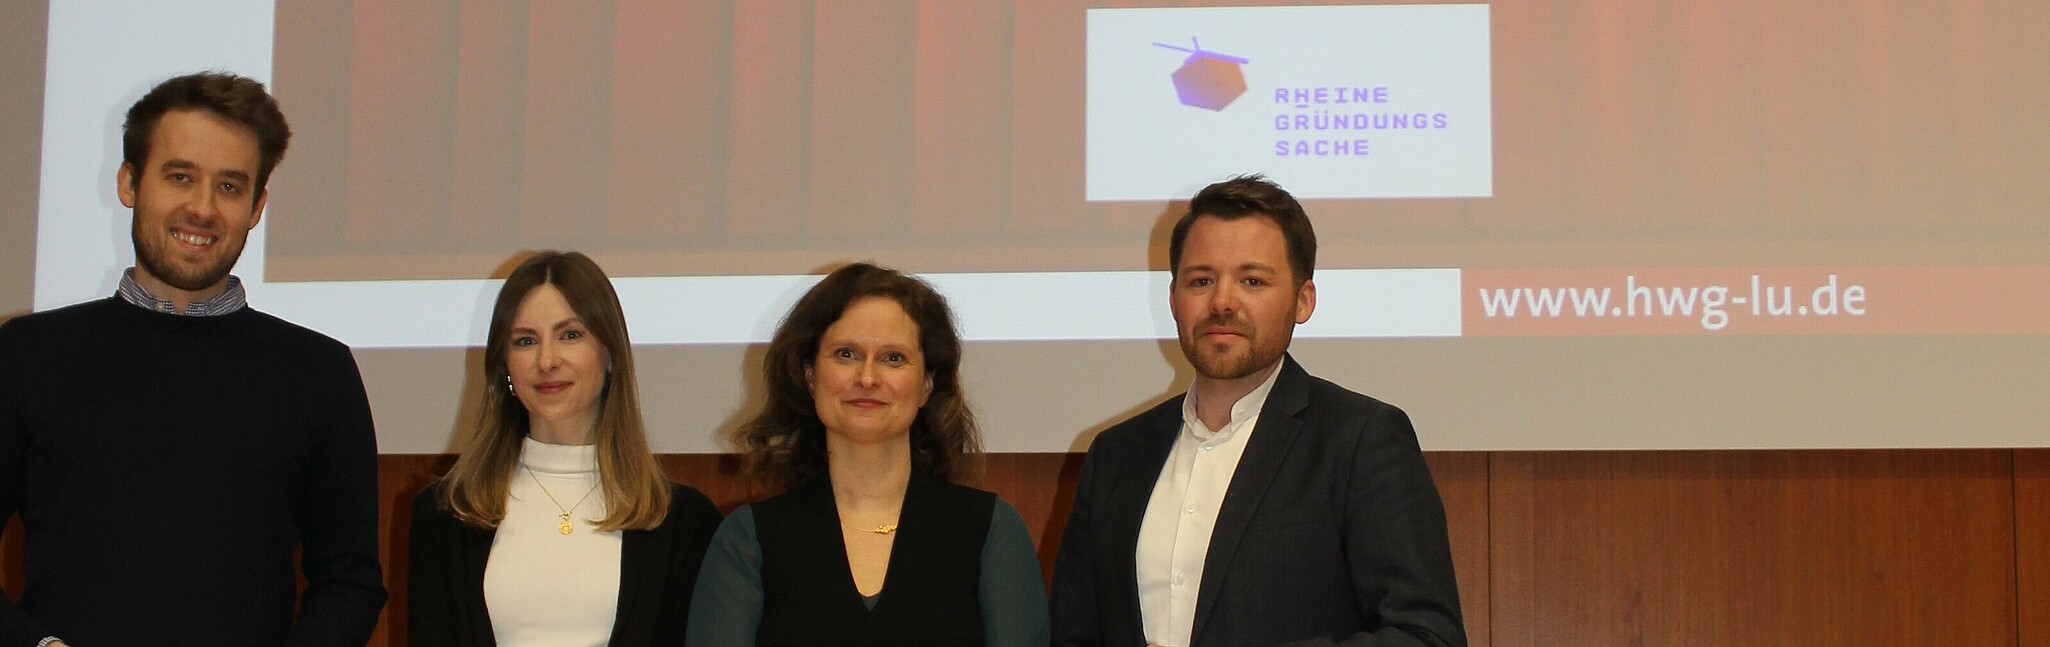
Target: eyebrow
{"points": [[1260, 267], [559, 325], [233, 174]]}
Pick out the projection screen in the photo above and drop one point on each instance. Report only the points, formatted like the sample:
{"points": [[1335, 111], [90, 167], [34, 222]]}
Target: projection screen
{"points": [[1542, 225]]}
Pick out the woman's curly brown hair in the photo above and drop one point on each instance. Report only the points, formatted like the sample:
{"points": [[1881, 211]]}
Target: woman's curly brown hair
{"points": [[785, 442]]}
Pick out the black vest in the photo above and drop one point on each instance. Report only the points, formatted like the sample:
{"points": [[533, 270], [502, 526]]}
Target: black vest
{"points": [[930, 593]]}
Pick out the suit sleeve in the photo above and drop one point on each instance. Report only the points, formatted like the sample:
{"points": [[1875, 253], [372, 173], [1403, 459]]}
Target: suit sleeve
{"points": [[726, 608], [1397, 547], [431, 580], [16, 629], [1074, 605], [695, 520], [338, 519], [1012, 592]]}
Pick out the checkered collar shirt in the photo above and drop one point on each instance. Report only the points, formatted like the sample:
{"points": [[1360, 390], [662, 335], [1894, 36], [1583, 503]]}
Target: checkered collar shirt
{"points": [[228, 301]]}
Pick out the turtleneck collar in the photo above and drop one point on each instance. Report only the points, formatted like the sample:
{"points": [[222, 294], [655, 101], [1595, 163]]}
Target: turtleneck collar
{"points": [[558, 459]]}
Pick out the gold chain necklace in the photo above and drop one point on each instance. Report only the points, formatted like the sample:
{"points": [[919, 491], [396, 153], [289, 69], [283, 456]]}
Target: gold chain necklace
{"points": [[880, 530], [566, 527]]}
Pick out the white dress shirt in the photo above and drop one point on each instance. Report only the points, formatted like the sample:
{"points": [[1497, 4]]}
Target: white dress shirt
{"points": [[1174, 537], [542, 587]]}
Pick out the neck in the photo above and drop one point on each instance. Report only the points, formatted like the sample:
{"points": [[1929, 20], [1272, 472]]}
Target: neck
{"points": [[1215, 397], [179, 298], [573, 433], [869, 479]]}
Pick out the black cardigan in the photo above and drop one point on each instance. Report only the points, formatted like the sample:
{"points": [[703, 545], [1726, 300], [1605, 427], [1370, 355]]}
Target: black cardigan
{"points": [[658, 569]]}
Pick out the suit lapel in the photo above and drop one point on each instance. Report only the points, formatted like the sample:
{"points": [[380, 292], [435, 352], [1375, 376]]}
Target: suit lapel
{"points": [[1266, 450], [1132, 487]]}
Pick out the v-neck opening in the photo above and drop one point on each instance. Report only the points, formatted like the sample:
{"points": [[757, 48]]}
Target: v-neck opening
{"points": [[890, 562]]}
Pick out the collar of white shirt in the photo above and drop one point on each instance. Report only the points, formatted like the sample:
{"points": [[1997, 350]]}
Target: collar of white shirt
{"points": [[1247, 408]]}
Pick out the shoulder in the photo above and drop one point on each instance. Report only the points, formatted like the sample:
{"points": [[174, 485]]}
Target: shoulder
{"points": [[688, 506], [290, 335], [71, 319], [1160, 421], [1325, 395], [737, 528], [1349, 418], [1004, 517], [428, 512]]}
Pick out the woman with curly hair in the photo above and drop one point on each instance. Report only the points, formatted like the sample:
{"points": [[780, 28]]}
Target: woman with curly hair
{"points": [[876, 539]]}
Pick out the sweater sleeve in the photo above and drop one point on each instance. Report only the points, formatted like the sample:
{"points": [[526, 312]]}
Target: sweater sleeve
{"points": [[338, 518], [726, 609], [1013, 590], [16, 629]]}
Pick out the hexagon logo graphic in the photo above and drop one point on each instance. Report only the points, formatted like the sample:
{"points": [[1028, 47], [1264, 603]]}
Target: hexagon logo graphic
{"points": [[1206, 79]]}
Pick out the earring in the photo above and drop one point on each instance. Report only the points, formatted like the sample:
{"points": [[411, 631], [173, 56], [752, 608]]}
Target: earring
{"points": [[508, 385]]}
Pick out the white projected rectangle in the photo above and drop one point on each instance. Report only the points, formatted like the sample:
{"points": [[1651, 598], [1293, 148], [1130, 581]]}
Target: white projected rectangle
{"points": [[102, 57], [1387, 101]]}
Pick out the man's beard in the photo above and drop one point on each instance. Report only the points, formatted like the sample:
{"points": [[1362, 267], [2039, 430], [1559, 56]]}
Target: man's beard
{"points": [[154, 259], [1258, 355]]}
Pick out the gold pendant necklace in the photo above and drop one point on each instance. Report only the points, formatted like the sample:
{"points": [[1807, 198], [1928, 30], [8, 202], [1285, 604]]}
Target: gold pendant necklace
{"points": [[880, 530], [566, 527]]}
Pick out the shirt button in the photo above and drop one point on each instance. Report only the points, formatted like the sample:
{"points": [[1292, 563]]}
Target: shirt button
{"points": [[1189, 510], [1178, 579], [1209, 447]]}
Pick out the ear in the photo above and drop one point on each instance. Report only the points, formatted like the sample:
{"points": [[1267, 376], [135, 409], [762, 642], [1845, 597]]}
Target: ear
{"points": [[256, 210], [1305, 301], [927, 395], [808, 384], [124, 184]]}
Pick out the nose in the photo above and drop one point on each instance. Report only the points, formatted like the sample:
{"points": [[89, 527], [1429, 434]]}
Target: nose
{"points": [[548, 356], [205, 206], [1225, 299], [867, 377]]}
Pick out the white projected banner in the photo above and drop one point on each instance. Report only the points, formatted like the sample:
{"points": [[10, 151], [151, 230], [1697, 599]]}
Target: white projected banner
{"points": [[102, 58], [1386, 101]]}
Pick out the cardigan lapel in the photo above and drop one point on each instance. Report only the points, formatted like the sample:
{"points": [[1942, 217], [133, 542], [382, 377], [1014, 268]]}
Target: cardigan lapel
{"points": [[1131, 488], [1257, 468], [641, 568], [476, 551]]}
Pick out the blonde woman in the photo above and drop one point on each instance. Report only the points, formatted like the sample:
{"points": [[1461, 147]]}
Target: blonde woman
{"points": [[556, 526]]}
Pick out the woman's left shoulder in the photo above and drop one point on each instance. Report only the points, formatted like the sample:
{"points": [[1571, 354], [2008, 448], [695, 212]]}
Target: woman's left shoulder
{"points": [[689, 506]]}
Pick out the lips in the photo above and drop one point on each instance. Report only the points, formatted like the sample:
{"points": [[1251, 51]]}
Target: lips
{"points": [[551, 388], [866, 403], [192, 239]]}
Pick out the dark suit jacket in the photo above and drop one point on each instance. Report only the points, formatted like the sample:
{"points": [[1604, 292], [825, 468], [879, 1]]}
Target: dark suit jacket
{"points": [[1331, 531], [658, 569]]}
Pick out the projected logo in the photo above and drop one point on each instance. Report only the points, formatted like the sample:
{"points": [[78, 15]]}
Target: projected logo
{"points": [[1379, 101], [1207, 80]]}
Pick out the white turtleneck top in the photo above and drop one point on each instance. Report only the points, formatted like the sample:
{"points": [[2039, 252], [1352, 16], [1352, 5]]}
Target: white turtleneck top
{"points": [[542, 587]]}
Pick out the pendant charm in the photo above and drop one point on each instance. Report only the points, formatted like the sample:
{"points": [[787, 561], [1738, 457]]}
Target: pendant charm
{"points": [[565, 527]]}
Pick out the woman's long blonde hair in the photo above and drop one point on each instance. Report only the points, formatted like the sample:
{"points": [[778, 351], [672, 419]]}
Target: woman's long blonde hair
{"points": [[636, 492]]}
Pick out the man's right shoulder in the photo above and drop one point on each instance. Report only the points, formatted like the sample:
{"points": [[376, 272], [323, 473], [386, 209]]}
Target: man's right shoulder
{"points": [[1140, 428], [35, 328]]}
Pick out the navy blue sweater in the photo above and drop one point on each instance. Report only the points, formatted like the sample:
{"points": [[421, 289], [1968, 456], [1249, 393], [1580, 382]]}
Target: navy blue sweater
{"points": [[170, 470]]}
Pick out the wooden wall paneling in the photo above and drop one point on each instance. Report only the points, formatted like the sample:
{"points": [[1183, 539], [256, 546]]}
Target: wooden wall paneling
{"points": [[1809, 548], [1462, 479], [1885, 547], [1512, 600], [2032, 546]]}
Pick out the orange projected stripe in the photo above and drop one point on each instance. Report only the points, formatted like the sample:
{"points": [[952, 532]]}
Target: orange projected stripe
{"points": [[1763, 301]]}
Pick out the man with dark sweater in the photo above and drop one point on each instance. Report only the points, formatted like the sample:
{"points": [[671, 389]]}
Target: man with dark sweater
{"points": [[172, 452]]}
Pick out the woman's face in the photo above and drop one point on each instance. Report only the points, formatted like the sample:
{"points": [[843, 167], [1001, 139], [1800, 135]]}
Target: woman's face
{"points": [[869, 378], [557, 366]]}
